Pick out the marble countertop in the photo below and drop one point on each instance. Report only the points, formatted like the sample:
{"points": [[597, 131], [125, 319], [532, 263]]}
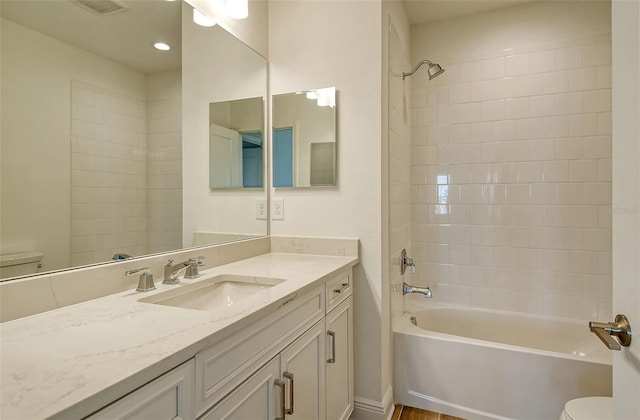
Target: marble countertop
{"points": [[70, 362]]}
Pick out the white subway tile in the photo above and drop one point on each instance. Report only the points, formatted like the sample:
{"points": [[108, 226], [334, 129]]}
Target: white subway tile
{"points": [[482, 297], [459, 174], [555, 171], [493, 68], [436, 134], [583, 170], [596, 100], [529, 172], [471, 71], [603, 77], [459, 93], [418, 97], [598, 193], [481, 173], [569, 193], [517, 65], [438, 95], [604, 123], [569, 283], [528, 85], [516, 108], [493, 110], [568, 58], [459, 133], [583, 307], [597, 239], [584, 216], [583, 79], [481, 215], [557, 215], [543, 193], [471, 194], [596, 147], [460, 254], [448, 114], [568, 103], [568, 148], [555, 82], [596, 54], [598, 286], [532, 215], [505, 172], [505, 88], [493, 193], [459, 214], [530, 302], [604, 170], [459, 295], [529, 128], [542, 61], [481, 132], [583, 125], [481, 91], [555, 126], [505, 130], [470, 112], [518, 193], [542, 105], [448, 153]]}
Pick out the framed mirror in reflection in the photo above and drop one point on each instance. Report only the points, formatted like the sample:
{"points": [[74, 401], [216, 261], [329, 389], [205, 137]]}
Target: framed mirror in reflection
{"points": [[304, 139], [93, 134], [236, 152]]}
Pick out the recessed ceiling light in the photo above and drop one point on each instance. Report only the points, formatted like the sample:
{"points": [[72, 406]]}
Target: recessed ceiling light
{"points": [[162, 46]]}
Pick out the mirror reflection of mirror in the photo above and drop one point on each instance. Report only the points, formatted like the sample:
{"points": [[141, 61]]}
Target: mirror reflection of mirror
{"points": [[93, 133], [236, 144], [304, 139]]}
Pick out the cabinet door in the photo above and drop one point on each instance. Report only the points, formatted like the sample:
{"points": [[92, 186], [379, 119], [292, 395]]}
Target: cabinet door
{"points": [[303, 372], [168, 397], [258, 398], [340, 361]]}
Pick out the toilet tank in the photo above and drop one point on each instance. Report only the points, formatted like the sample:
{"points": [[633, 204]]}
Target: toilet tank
{"points": [[20, 264]]}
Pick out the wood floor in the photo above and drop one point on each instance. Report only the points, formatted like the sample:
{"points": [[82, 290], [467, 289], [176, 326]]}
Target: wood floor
{"points": [[409, 413]]}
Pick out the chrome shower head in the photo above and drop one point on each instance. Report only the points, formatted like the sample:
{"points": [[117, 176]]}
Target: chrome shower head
{"points": [[434, 69]]}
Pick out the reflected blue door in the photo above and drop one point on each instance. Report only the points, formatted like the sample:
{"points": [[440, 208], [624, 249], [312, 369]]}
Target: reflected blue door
{"points": [[283, 157]]}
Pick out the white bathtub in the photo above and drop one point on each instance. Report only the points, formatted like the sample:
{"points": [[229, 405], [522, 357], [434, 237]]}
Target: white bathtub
{"points": [[480, 364]]}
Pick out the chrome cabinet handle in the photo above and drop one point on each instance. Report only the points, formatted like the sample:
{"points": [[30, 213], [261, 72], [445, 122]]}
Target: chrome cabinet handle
{"points": [[289, 376], [344, 287], [283, 409], [619, 328], [332, 359]]}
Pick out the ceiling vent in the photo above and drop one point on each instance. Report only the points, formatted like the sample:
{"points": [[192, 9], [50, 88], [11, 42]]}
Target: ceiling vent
{"points": [[102, 7]]}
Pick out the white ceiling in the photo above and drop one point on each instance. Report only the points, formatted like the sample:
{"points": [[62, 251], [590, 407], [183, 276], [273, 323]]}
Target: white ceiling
{"points": [[126, 37], [425, 11]]}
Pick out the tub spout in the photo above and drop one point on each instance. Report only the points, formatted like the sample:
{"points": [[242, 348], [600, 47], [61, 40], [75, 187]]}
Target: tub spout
{"points": [[407, 288]]}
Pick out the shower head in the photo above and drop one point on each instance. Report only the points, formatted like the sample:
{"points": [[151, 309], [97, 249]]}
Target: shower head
{"points": [[434, 69]]}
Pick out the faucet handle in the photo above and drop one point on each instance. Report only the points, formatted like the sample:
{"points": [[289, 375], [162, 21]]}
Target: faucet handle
{"points": [[193, 271], [199, 260], [170, 263], [145, 281]]}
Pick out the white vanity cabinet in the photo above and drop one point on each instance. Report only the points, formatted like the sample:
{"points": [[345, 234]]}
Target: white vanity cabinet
{"points": [[296, 363], [169, 397]]}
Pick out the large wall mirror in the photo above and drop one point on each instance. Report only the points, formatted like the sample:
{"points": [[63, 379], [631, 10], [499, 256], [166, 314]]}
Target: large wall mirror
{"points": [[304, 139], [98, 141]]}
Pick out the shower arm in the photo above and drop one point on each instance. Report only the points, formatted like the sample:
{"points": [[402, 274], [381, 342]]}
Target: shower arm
{"points": [[415, 69]]}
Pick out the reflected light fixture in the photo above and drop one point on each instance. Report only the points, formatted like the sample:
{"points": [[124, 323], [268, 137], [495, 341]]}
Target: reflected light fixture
{"points": [[202, 19], [162, 46], [237, 9]]}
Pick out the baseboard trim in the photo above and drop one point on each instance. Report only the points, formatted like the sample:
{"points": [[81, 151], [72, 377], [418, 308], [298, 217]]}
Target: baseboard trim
{"points": [[366, 409]]}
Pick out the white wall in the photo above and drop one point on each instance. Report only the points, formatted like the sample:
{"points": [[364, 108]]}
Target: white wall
{"points": [[511, 168], [315, 44], [206, 79], [36, 86]]}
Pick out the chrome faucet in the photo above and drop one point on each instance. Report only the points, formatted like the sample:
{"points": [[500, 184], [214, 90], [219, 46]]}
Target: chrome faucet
{"points": [[405, 262], [172, 270], [407, 288], [145, 281]]}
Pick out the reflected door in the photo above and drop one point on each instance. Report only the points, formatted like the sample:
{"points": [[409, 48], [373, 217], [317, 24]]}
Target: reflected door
{"points": [[283, 157], [225, 158]]}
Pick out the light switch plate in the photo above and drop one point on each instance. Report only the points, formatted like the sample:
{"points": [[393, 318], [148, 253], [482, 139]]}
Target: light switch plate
{"points": [[261, 209], [277, 209]]}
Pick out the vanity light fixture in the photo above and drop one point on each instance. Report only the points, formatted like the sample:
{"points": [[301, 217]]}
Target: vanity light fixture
{"points": [[202, 19], [237, 9]]}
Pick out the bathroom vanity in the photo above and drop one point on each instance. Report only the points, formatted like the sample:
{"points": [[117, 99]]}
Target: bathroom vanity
{"points": [[280, 347]]}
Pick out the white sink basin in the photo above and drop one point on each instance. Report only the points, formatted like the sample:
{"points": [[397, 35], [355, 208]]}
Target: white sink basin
{"points": [[218, 292]]}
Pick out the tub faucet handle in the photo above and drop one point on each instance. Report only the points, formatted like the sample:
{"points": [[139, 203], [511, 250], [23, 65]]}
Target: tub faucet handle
{"points": [[605, 330], [405, 262]]}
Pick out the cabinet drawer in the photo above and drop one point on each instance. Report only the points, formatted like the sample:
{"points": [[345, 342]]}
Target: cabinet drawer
{"points": [[225, 365], [338, 289], [170, 396]]}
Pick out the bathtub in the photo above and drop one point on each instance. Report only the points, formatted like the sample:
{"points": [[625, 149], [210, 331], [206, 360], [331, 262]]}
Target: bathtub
{"points": [[480, 364]]}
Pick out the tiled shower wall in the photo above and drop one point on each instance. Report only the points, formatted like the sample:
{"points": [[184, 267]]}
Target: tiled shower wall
{"points": [[511, 179], [108, 174], [164, 205]]}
